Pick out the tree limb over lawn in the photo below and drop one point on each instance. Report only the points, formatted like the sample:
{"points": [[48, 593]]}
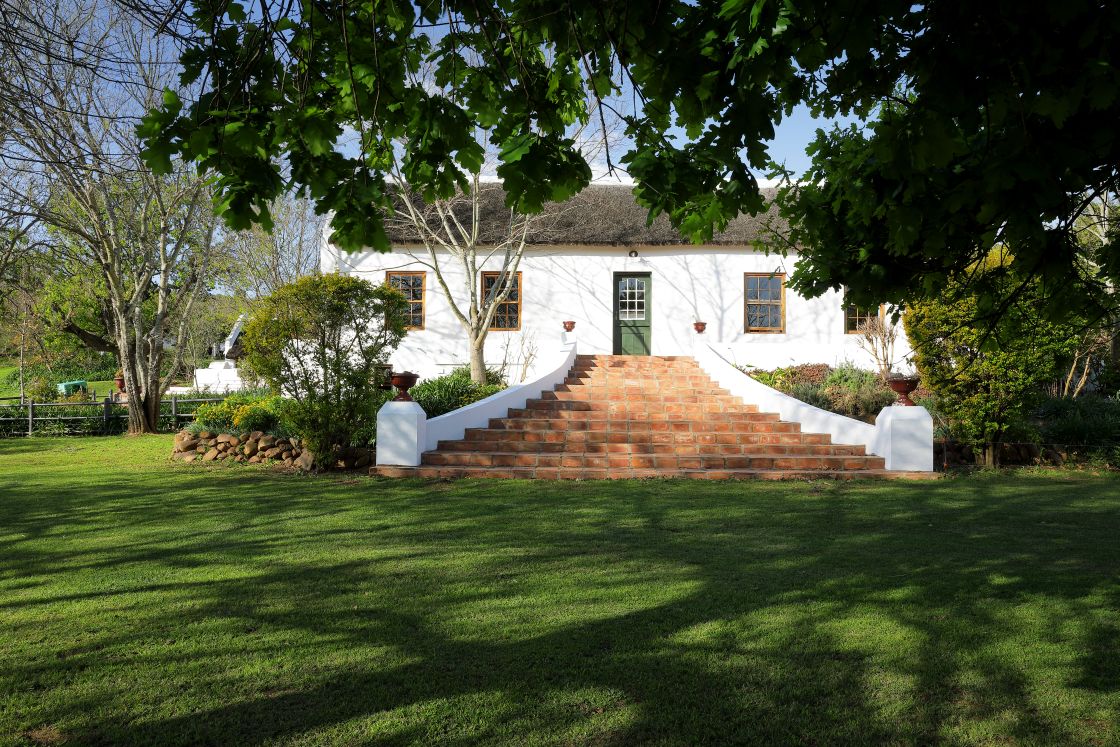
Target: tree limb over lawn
{"points": [[992, 123]]}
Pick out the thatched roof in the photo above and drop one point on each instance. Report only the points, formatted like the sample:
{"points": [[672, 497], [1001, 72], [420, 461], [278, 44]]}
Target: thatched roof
{"points": [[602, 215]]}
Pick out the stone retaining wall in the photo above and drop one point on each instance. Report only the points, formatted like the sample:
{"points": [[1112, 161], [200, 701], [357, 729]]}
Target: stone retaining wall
{"points": [[256, 448], [250, 448]]}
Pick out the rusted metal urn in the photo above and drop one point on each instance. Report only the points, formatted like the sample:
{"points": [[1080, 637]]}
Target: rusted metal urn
{"points": [[902, 386], [403, 381]]}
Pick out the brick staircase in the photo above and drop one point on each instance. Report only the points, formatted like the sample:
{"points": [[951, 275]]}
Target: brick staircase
{"points": [[636, 416]]}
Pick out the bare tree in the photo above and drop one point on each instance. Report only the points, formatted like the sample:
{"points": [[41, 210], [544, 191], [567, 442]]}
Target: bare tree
{"points": [[877, 338], [474, 230], [464, 232], [76, 94], [259, 261]]}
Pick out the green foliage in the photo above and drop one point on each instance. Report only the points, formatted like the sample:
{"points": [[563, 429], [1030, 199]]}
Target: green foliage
{"points": [[811, 394], [443, 394], [242, 412], [78, 364], [951, 163], [787, 377], [846, 389], [40, 389], [322, 341], [862, 399], [987, 376], [1088, 421], [849, 376]]}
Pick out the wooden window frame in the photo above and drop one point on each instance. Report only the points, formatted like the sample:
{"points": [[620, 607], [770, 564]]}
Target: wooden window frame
{"points": [[482, 276], [423, 294], [846, 306], [747, 329]]}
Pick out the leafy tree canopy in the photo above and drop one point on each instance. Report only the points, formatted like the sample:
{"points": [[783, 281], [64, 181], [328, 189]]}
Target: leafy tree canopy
{"points": [[987, 376], [989, 122]]}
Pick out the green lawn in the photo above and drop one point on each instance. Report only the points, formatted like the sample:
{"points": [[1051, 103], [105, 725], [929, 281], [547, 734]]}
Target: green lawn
{"points": [[6, 390], [145, 602]]}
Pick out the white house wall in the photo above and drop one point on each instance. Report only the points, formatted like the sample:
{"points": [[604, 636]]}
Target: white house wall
{"points": [[576, 283]]}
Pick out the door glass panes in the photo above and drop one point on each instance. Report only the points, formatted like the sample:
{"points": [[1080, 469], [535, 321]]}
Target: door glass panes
{"points": [[632, 299]]}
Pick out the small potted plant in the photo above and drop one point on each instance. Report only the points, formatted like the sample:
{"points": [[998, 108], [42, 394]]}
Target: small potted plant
{"points": [[569, 326], [902, 385], [118, 380], [699, 327]]}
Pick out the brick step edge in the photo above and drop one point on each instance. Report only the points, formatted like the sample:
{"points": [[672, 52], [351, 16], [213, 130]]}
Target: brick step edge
{"points": [[598, 448], [657, 462], [579, 473]]}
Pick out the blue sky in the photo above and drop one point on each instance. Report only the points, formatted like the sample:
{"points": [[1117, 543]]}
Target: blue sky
{"points": [[795, 133]]}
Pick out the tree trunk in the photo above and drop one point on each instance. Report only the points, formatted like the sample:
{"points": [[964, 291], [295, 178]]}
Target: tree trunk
{"points": [[22, 347], [143, 398], [143, 410], [991, 454], [478, 360]]}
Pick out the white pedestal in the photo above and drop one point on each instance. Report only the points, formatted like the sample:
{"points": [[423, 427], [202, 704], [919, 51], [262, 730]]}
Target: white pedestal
{"points": [[400, 434], [905, 438]]}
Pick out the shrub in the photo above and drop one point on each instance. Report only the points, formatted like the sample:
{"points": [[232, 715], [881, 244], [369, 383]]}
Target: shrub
{"points": [[988, 377], [40, 389], [809, 373], [810, 394], [322, 341], [848, 376], [786, 378], [240, 412], [1088, 421], [366, 434], [856, 392], [451, 391], [862, 400], [846, 389]]}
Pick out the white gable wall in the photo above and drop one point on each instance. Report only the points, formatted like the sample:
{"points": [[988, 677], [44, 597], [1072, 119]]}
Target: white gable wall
{"points": [[576, 283]]}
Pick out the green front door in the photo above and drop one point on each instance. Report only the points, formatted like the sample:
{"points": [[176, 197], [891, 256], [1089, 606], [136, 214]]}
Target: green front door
{"points": [[632, 312]]}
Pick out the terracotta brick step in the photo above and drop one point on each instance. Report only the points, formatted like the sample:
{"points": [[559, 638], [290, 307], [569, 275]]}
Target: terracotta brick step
{"points": [[577, 391], [578, 473], [589, 394], [677, 379], [674, 378], [578, 421], [664, 371], [678, 413], [680, 449], [648, 461], [633, 409], [575, 437], [655, 362]]}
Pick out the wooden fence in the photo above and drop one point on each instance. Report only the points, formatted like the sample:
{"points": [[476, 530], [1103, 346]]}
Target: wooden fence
{"points": [[87, 418]]}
